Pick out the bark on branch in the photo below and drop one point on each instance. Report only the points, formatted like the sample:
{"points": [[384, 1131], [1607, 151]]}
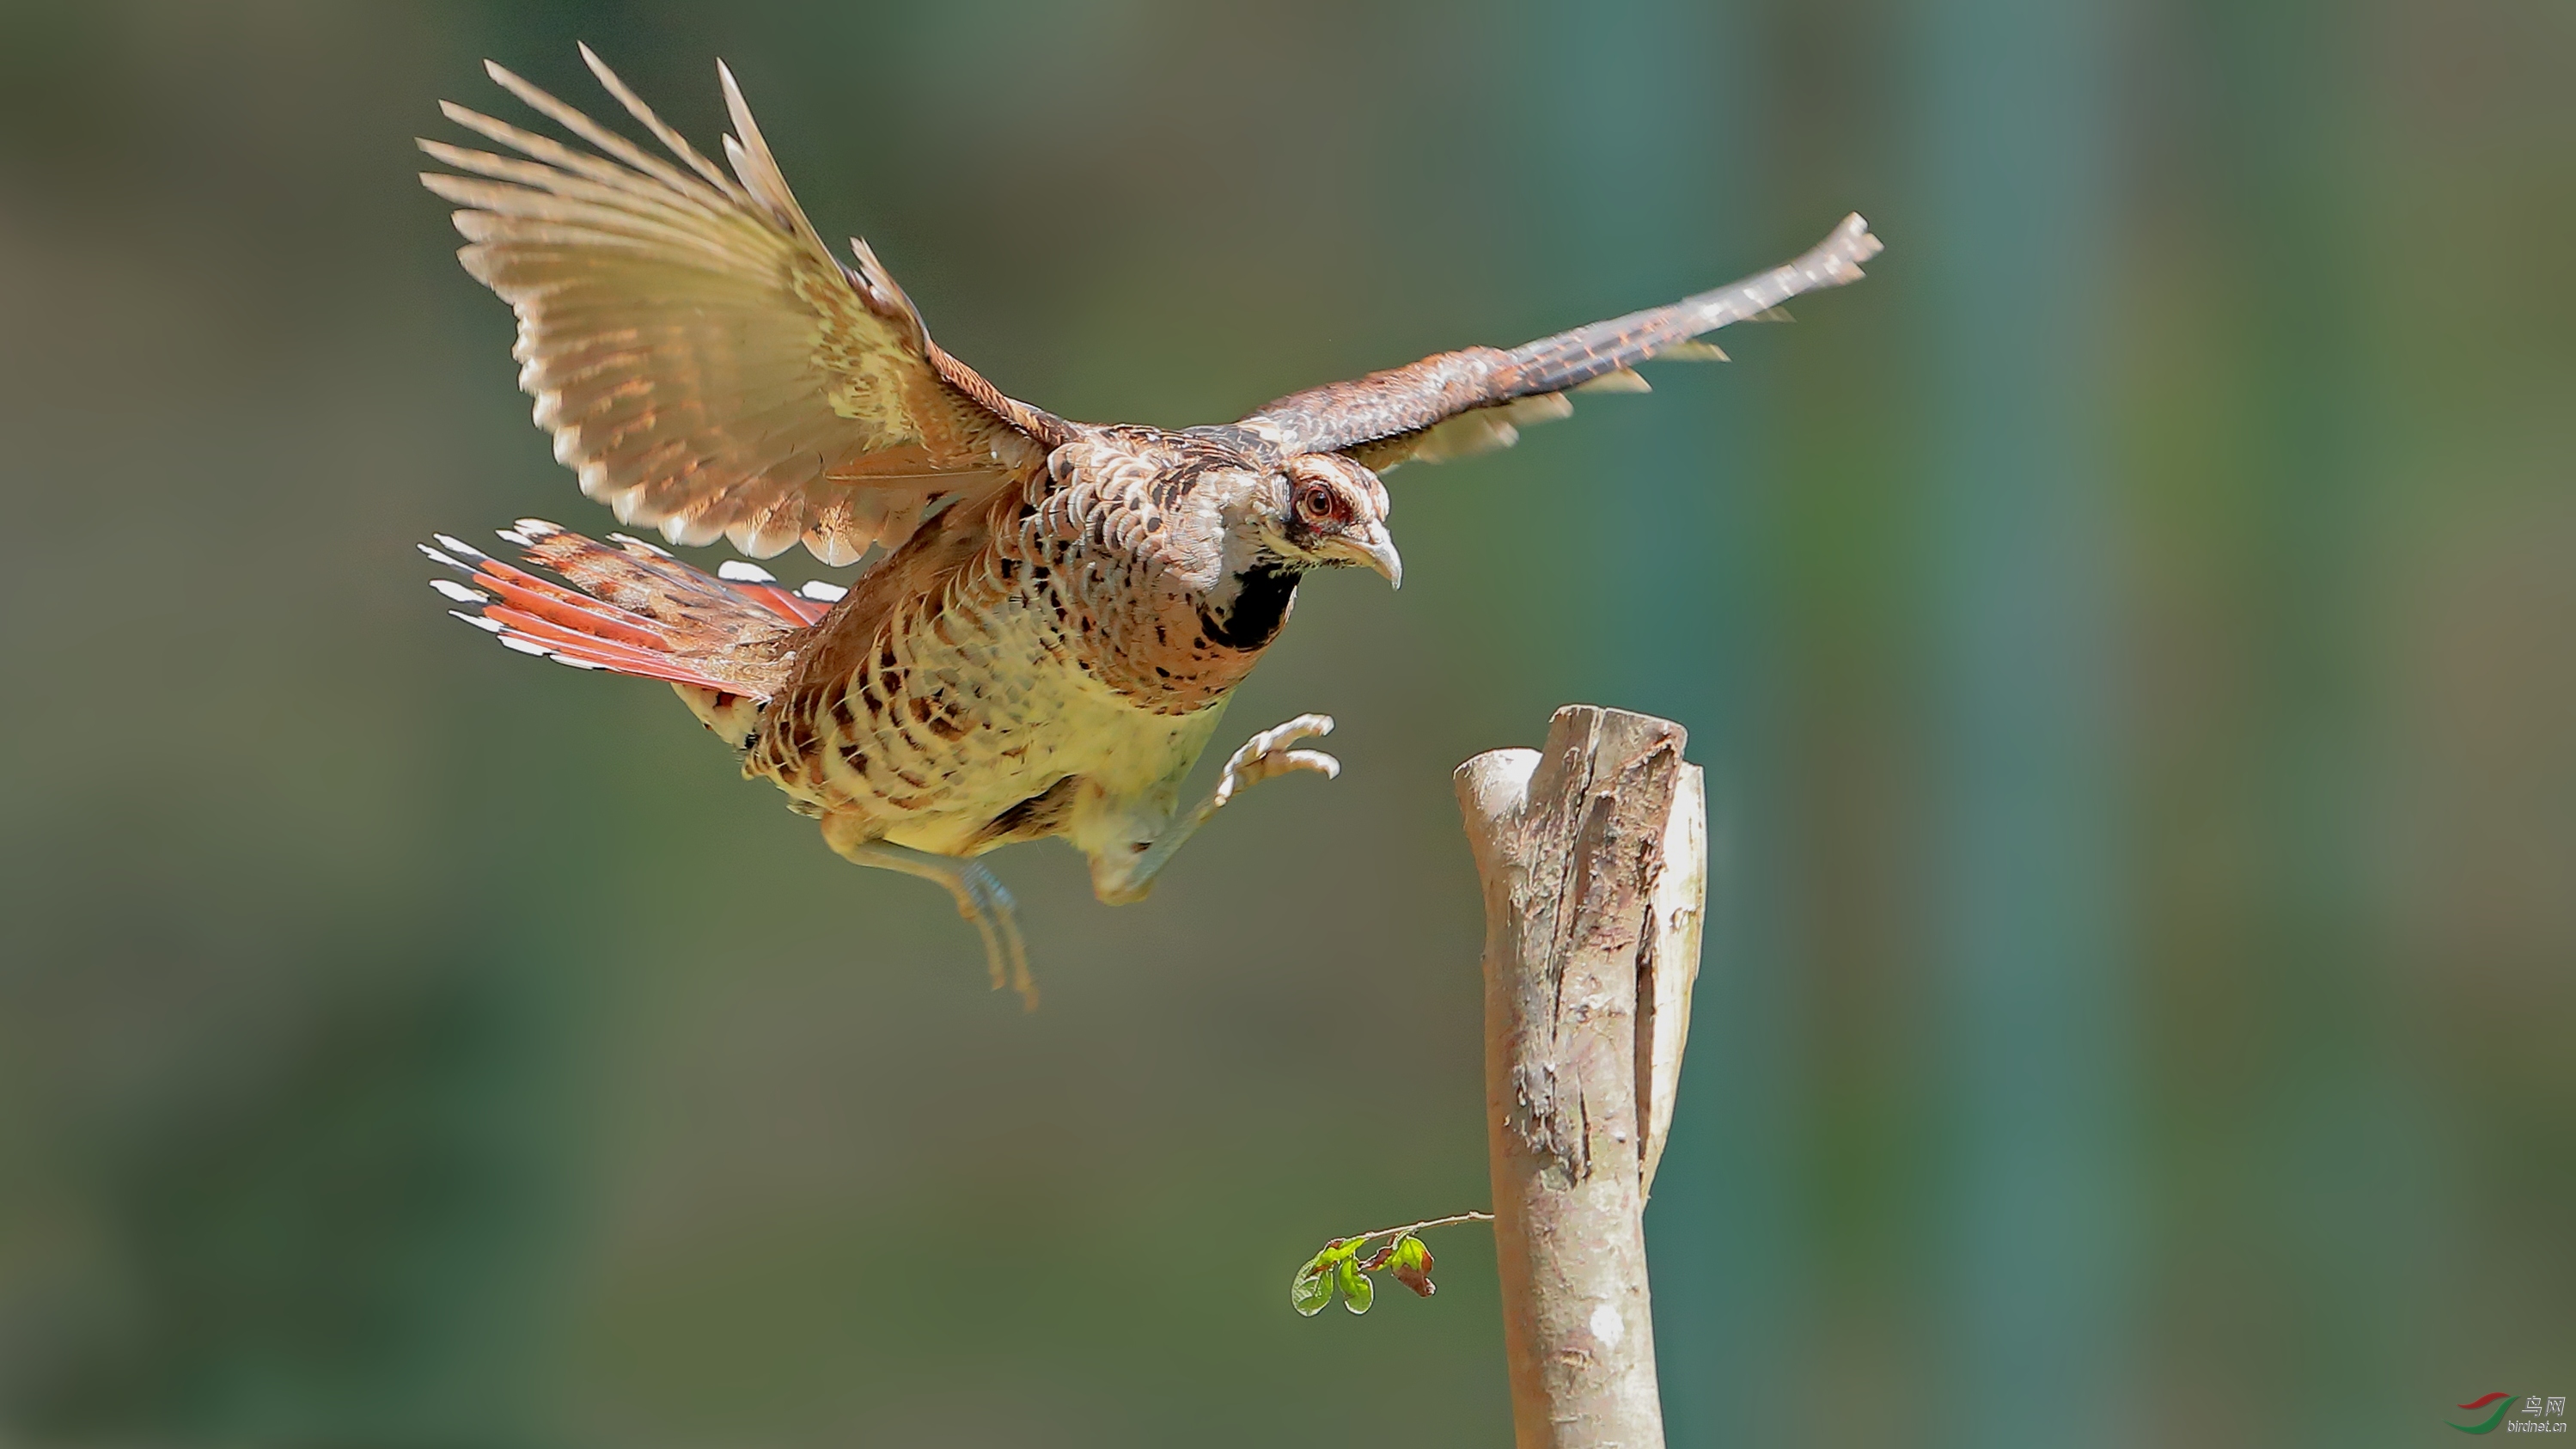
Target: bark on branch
{"points": [[1592, 853]]}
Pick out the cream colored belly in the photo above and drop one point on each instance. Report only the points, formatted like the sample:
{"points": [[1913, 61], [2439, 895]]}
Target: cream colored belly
{"points": [[1131, 760], [1010, 714]]}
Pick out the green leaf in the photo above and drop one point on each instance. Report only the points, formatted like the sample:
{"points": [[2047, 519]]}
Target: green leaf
{"points": [[1411, 1264], [1312, 1288], [1357, 1290]]}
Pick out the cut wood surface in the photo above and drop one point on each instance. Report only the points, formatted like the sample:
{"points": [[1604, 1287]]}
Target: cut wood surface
{"points": [[1592, 853]]}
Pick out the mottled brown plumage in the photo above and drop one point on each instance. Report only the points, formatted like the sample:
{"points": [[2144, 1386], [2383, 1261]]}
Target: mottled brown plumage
{"points": [[1056, 613]]}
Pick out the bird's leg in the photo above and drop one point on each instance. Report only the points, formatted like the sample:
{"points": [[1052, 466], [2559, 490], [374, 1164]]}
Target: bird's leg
{"points": [[1263, 756], [979, 897]]}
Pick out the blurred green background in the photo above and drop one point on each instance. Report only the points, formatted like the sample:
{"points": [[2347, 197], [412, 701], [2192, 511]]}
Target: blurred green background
{"points": [[2129, 638]]}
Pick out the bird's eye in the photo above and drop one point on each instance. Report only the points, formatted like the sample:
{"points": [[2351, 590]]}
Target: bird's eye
{"points": [[1318, 503]]}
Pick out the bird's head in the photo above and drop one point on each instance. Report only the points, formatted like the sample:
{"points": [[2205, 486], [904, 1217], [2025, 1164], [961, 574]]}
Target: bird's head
{"points": [[1328, 512]]}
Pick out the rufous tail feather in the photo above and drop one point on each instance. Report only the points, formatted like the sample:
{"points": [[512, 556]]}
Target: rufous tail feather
{"points": [[633, 608]]}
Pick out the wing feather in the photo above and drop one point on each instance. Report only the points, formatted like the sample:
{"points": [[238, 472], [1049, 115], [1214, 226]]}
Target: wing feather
{"points": [[702, 361], [1453, 404], [677, 144]]}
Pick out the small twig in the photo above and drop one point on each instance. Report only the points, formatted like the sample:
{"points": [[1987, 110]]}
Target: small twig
{"points": [[1410, 1228]]}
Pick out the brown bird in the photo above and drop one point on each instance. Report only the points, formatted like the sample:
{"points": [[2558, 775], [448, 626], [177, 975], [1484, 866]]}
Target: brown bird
{"points": [[1056, 611]]}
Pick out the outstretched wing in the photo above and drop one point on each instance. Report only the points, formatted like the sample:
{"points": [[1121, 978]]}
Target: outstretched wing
{"points": [[699, 355], [1452, 404]]}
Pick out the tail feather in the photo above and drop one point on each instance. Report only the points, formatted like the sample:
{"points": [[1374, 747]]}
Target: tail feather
{"points": [[570, 646], [761, 586], [528, 594], [786, 605], [633, 609]]}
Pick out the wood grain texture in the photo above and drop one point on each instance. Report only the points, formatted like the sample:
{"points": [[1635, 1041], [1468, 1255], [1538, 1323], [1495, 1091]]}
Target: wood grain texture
{"points": [[1591, 854]]}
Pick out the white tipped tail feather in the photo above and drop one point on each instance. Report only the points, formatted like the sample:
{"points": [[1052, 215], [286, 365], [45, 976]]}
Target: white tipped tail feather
{"points": [[633, 609]]}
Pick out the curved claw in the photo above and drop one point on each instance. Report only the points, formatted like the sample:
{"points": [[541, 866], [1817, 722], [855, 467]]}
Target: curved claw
{"points": [[1315, 760], [1266, 756]]}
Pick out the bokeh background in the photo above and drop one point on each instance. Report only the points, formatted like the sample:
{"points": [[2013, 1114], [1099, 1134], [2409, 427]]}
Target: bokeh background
{"points": [[2132, 640]]}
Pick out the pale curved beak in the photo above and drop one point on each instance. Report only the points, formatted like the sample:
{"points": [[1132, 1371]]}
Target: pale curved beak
{"points": [[1375, 548]]}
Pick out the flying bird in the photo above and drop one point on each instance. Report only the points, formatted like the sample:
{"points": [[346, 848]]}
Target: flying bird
{"points": [[1054, 613]]}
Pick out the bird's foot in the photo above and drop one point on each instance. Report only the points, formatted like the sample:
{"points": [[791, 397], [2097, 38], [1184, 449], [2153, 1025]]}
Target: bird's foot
{"points": [[1118, 877], [982, 900], [1268, 754]]}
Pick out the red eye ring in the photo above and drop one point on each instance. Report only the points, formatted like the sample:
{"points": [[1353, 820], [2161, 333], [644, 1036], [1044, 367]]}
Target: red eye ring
{"points": [[1319, 503]]}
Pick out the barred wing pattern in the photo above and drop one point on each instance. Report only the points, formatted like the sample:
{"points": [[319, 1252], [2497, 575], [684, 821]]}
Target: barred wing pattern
{"points": [[1452, 404], [700, 357]]}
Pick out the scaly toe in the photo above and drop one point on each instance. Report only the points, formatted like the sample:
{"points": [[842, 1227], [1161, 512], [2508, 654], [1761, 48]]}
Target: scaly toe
{"points": [[996, 956], [1304, 726], [1315, 760], [982, 900], [1021, 980]]}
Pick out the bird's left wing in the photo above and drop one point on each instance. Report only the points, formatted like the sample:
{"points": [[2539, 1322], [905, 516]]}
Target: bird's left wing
{"points": [[1453, 404], [699, 355]]}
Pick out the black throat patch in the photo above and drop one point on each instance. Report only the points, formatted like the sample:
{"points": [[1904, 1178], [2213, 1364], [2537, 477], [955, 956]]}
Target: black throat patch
{"points": [[1260, 607]]}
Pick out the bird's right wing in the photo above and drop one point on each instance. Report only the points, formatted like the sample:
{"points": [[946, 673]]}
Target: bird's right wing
{"points": [[699, 355], [1452, 404]]}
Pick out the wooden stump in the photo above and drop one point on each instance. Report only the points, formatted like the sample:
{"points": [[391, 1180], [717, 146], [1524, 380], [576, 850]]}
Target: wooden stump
{"points": [[1593, 856]]}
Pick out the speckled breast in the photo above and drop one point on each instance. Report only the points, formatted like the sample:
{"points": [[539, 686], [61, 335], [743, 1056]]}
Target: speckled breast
{"points": [[1060, 673]]}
